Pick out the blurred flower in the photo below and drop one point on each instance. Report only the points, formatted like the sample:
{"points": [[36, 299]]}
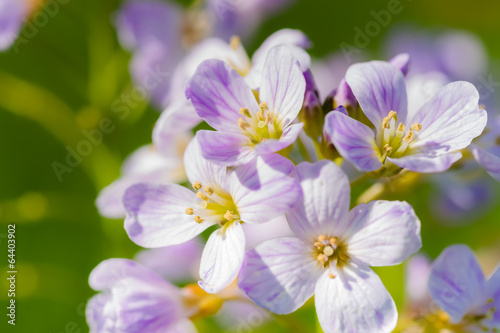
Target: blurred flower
{"points": [[423, 141], [245, 128], [331, 254], [487, 150], [13, 13], [458, 285], [163, 215]]}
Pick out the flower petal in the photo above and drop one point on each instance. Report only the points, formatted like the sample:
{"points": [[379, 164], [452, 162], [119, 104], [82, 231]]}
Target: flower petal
{"points": [[353, 140], [12, 15], [218, 93], [263, 189], [156, 215], [379, 88], [487, 160], [283, 84], [183, 326], [225, 149], [222, 258], [450, 120], [493, 293], [456, 281], [94, 312], [355, 301], [325, 201], [425, 163], [383, 233], [287, 139], [279, 274]]}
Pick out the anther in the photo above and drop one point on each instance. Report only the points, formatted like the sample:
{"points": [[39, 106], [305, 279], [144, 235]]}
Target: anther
{"points": [[334, 241], [318, 244], [388, 149], [242, 124], [245, 112], [386, 120], [416, 127], [197, 185], [490, 300], [198, 219], [189, 211], [322, 238], [201, 195], [260, 115], [408, 137], [328, 251], [321, 257], [331, 276], [208, 190], [401, 127], [228, 216], [263, 106], [235, 42]]}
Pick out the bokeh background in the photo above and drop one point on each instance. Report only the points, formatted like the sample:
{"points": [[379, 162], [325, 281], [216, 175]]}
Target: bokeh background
{"points": [[65, 78]]}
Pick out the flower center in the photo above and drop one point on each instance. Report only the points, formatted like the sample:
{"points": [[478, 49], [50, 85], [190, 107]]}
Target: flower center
{"points": [[261, 126], [330, 253], [214, 205], [394, 139]]}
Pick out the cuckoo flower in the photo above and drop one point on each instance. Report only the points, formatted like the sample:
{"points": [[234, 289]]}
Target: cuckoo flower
{"points": [[425, 140], [135, 299], [163, 215], [458, 285], [331, 255], [245, 127]]}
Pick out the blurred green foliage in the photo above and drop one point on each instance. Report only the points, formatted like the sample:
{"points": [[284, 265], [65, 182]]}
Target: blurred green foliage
{"points": [[65, 79]]}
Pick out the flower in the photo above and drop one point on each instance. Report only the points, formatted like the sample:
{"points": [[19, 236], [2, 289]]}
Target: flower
{"points": [[331, 254], [487, 151], [12, 15], [458, 285], [162, 215], [245, 127], [424, 140], [134, 299]]}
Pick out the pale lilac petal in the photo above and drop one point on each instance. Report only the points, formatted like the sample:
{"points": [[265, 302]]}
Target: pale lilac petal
{"points": [[418, 268], [263, 188], [426, 163], [383, 233], [325, 201], [450, 120], [456, 281], [110, 271], [355, 301], [183, 326], [156, 215], [222, 258], [94, 312], [176, 263], [12, 15], [421, 88], [283, 84], [279, 274], [379, 88], [287, 139], [487, 160], [241, 316], [277, 227], [218, 93], [401, 62], [353, 140], [225, 149], [344, 96]]}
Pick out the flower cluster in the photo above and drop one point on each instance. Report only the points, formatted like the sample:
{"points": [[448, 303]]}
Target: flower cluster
{"points": [[274, 149]]}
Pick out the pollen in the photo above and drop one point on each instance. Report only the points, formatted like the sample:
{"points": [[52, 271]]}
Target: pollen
{"points": [[318, 244], [245, 112], [386, 120], [208, 190], [263, 106], [322, 238], [201, 195], [198, 219], [235, 42], [243, 124], [189, 211], [197, 185], [401, 127], [334, 241], [416, 127], [321, 258], [229, 216], [408, 137], [331, 276]]}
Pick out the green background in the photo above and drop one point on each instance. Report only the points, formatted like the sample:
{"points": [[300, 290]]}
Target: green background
{"points": [[64, 80]]}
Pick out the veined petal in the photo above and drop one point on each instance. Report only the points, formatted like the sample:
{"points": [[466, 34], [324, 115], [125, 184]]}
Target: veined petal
{"points": [[183, 326], [401, 61], [450, 120], [355, 301], [487, 160], [108, 272], [425, 163], [156, 215], [493, 293], [456, 281], [279, 274], [218, 93], [263, 189], [379, 88], [383, 233], [222, 258], [94, 312], [354, 141], [225, 149], [287, 139], [283, 84], [325, 202]]}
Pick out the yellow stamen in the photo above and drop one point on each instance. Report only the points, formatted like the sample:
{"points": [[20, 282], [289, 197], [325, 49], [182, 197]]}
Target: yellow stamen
{"points": [[263, 106], [245, 112], [321, 257], [235, 42], [198, 219], [416, 127], [386, 120], [242, 124], [189, 211], [197, 185], [401, 127], [208, 190], [260, 115], [322, 238], [331, 276], [408, 137], [228, 216], [318, 244], [202, 196], [334, 241]]}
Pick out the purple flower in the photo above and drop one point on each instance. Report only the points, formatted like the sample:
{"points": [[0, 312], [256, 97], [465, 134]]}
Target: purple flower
{"points": [[163, 215], [423, 140], [244, 127], [417, 274], [146, 164], [487, 150], [12, 15], [134, 299], [331, 255], [458, 285]]}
